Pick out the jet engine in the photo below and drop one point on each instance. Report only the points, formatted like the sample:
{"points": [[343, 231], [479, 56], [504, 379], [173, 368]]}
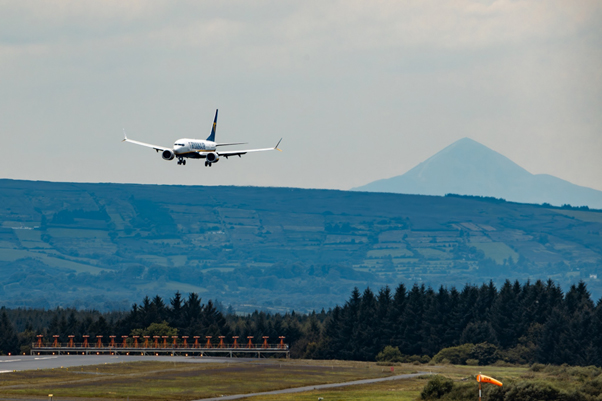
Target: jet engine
{"points": [[212, 157], [168, 154]]}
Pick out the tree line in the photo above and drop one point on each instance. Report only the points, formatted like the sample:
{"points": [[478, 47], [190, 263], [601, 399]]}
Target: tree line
{"points": [[530, 322], [527, 323]]}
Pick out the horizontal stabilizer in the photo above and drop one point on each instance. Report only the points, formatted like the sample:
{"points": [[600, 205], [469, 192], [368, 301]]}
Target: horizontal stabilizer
{"points": [[230, 144]]}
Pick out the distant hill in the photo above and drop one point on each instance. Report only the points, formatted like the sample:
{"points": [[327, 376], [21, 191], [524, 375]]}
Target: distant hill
{"points": [[468, 168], [107, 245]]}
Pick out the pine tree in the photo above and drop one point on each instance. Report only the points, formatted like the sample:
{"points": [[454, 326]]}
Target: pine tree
{"points": [[452, 331], [553, 335], [433, 320], [597, 334], [478, 332], [9, 343], [366, 333], [486, 297], [412, 322], [158, 310], [384, 318], [215, 322], [578, 298], [63, 328], [503, 315], [397, 312], [348, 327], [554, 296], [54, 326], [176, 312], [469, 306], [333, 344], [192, 312], [72, 325]]}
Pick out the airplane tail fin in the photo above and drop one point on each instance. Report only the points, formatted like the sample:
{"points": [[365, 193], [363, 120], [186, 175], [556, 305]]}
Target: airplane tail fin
{"points": [[212, 136]]}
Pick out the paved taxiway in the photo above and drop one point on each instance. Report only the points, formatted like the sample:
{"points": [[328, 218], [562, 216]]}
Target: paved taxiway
{"points": [[31, 362]]}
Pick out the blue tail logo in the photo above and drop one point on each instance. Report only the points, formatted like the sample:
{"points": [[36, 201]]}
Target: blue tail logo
{"points": [[212, 136]]}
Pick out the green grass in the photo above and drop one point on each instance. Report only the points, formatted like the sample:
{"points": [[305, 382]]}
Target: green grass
{"points": [[77, 233], [398, 390], [7, 245], [431, 253], [24, 223], [179, 260], [497, 251], [181, 381], [10, 255], [173, 286], [379, 253], [31, 239], [160, 260], [154, 380], [590, 217]]}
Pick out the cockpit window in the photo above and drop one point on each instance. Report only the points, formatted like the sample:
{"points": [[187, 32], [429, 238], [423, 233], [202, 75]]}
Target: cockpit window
{"points": [[179, 144]]}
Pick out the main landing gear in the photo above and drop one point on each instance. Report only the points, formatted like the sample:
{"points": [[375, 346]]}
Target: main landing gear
{"points": [[207, 164], [181, 161]]}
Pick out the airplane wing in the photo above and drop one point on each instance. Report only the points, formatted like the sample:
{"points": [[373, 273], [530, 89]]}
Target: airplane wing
{"points": [[148, 145], [243, 152]]}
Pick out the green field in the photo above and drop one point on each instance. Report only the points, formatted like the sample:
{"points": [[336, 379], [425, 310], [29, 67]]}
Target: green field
{"points": [[181, 381], [379, 253], [187, 381], [497, 251]]}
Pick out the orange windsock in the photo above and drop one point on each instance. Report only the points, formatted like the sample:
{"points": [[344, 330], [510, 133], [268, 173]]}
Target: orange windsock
{"points": [[487, 379]]}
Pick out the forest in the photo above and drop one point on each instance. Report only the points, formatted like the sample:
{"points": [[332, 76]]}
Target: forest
{"points": [[518, 323]]}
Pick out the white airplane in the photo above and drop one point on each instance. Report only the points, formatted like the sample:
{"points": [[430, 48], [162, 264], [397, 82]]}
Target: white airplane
{"points": [[199, 148]]}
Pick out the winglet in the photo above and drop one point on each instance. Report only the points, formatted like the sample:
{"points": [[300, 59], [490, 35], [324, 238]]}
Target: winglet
{"points": [[125, 137], [213, 129], [276, 147]]}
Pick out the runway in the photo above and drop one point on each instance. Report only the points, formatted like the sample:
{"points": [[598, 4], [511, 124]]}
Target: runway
{"points": [[33, 362]]}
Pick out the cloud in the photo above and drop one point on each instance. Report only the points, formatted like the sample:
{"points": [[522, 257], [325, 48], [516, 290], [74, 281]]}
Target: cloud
{"points": [[352, 24], [403, 79]]}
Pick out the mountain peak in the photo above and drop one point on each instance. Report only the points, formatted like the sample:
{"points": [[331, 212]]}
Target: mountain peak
{"points": [[467, 167]]}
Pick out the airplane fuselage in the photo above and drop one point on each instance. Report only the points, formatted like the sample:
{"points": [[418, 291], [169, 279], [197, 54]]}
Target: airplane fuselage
{"points": [[185, 147]]}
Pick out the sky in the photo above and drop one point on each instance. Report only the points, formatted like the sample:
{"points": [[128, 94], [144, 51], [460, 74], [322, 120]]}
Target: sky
{"points": [[358, 90]]}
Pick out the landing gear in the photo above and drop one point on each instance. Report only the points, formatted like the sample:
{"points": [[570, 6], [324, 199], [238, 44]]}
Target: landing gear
{"points": [[181, 161], [207, 164]]}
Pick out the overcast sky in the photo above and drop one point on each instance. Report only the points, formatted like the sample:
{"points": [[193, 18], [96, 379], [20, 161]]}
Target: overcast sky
{"points": [[359, 90]]}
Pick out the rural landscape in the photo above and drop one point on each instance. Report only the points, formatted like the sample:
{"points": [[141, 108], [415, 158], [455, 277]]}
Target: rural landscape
{"points": [[106, 246], [407, 282]]}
